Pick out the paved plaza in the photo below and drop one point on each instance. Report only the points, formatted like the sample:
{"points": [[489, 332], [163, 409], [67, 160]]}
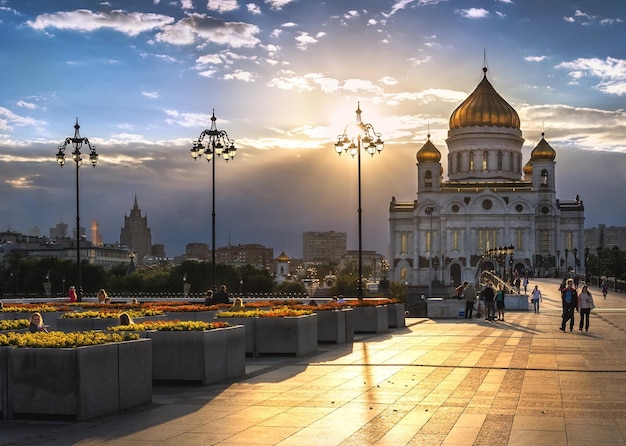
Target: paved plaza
{"points": [[434, 382]]}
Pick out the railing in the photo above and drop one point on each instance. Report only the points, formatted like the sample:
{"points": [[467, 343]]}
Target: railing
{"points": [[496, 281]]}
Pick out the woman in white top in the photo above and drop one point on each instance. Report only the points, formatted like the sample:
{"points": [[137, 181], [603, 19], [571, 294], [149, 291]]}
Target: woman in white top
{"points": [[536, 297], [585, 302]]}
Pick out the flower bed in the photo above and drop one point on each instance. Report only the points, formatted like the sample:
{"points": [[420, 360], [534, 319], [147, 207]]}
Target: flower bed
{"points": [[101, 320], [277, 331], [14, 324], [76, 375]]}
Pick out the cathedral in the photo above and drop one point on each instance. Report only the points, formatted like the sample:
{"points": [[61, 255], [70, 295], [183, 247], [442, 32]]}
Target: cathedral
{"points": [[494, 212], [136, 234]]}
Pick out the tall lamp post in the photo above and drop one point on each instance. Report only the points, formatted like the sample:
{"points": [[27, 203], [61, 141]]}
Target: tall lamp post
{"points": [[586, 264], [566, 258], [558, 263], [76, 143], [511, 251], [351, 141], [217, 144], [575, 251], [429, 211]]}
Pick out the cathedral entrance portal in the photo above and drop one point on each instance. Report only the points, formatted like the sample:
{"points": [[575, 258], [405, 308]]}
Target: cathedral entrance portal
{"points": [[455, 274]]}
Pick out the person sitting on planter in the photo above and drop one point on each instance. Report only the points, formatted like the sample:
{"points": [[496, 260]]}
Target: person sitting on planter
{"points": [[125, 319], [221, 297], [102, 296], [208, 299], [238, 305], [36, 324]]}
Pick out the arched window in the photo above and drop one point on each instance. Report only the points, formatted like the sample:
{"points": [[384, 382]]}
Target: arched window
{"points": [[544, 177], [404, 243], [471, 161], [458, 162], [403, 273], [428, 178], [500, 159], [511, 160], [485, 160]]}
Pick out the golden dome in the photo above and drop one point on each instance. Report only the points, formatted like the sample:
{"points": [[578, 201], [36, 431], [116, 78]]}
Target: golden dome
{"points": [[484, 107], [543, 151], [428, 153], [528, 168], [282, 258]]}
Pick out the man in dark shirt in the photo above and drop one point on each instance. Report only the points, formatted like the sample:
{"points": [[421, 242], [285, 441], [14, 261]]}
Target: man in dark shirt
{"points": [[489, 296], [221, 297], [569, 298]]}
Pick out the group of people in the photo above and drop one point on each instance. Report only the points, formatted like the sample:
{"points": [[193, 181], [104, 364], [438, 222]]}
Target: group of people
{"points": [[493, 299], [573, 301], [221, 297]]}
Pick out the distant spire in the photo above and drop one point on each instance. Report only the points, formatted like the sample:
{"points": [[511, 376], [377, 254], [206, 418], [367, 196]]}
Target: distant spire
{"points": [[485, 62], [135, 206]]}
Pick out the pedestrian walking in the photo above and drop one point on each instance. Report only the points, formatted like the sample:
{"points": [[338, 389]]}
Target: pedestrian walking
{"points": [[605, 288], [499, 298], [569, 299], [489, 296], [536, 298], [585, 302]]}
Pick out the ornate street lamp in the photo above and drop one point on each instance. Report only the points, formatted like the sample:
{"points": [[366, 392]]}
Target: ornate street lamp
{"points": [[217, 144], [511, 251], [566, 259], [76, 143], [575, 260], [558, 263], [586, 264], [353, 138]]}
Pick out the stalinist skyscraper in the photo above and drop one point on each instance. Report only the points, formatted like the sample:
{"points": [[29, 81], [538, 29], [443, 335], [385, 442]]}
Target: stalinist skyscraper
{"points": [[135, 234]]}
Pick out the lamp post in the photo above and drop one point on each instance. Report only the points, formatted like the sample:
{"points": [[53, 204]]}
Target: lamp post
{"points": [[599, 251], [511, 251], [76, 143], [586, 264], [575, 251], [351, 141], [558, 263], [429, 211], [217, 144], [566, 258]]}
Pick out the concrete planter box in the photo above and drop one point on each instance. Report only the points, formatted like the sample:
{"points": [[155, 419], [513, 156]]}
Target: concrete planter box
{"points": [[336, 326], [445, 308], [248, 323], [204, 356], [286, 335], [82, 383], [203, 316], [519, 302], [371, 319], [396, 315], [278, 335], [3, 382]]}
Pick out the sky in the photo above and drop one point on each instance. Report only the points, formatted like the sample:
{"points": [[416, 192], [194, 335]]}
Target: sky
{"points": [[284, 78]]}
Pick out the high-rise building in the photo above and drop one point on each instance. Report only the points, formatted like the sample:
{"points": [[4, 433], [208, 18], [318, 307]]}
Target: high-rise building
{"points": [[325, 247], [59, 231], [603, 237], [96, 237], [253, 254], [136, 234], [491, 203], [197, 250]]}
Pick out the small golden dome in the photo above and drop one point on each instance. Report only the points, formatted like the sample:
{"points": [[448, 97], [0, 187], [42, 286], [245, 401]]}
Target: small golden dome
{"points": [[528, 168], [484, 107], [543, 151], [428, 153], [282, 258]]}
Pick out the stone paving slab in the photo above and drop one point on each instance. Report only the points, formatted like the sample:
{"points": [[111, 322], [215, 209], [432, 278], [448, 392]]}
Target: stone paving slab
{"points": [[435, 382]]}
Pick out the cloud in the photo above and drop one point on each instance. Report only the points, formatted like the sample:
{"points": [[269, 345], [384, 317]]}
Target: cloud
{"points": [[25, 104], [473, 13], [240, 75], [222, 5], [211, 30], [611, 71], [253, 8], [150, 94], [304, 40], [8, 119], [535, 58], [84, 20], [278, 4]]}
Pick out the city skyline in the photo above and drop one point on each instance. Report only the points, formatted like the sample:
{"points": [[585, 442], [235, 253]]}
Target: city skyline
{"points": [[284, 78]]}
